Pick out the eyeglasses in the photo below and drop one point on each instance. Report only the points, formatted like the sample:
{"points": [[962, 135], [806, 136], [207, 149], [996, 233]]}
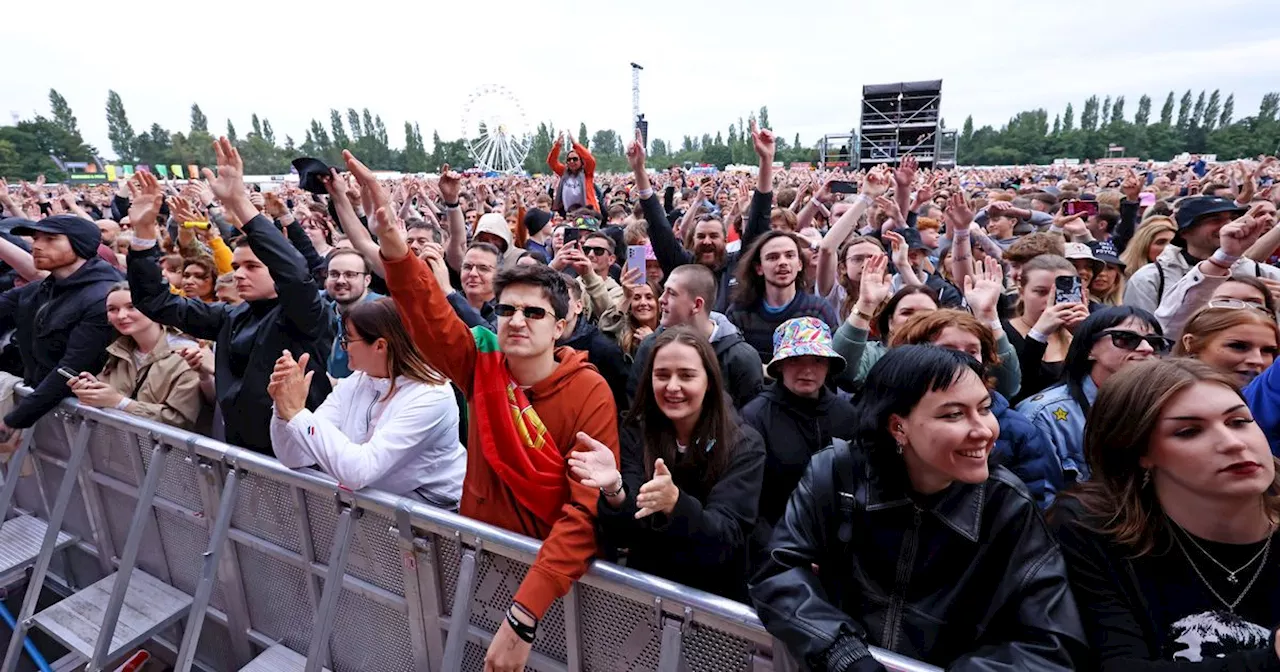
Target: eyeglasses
{"points": [[530, 312], [344, 275], [478, 268], [592, 250], [572, 158], [1129, 340], [1237, 304], [345, 341]]}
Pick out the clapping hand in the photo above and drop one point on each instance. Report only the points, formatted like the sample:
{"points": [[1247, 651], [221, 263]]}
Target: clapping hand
{"points": [[659, 495], [144, 207], [595, 466], [982, 289], [289, 384]]}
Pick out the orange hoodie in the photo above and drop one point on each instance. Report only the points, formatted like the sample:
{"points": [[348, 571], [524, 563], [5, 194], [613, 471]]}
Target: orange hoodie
{"points": [[574, 398]]}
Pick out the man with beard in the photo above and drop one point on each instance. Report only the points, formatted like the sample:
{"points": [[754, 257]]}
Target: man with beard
{"points": [[686, 299], [709, 235], [769, 291], [346, 284], [61, 320]]}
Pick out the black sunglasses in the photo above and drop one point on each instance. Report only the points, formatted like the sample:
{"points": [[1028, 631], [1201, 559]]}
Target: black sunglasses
{"points": [[592, 250], [1129, 340], [530, 312]]}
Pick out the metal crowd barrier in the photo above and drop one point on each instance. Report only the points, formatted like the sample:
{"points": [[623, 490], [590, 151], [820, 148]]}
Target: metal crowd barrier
{"points": [[316, 575]]}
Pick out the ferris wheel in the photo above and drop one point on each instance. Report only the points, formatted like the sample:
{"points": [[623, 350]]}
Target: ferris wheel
{"points": [[496, 129]]}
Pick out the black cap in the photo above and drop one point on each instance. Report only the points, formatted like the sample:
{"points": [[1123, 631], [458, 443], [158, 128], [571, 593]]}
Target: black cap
{"points": [[83, 234], [311, 174], [1105, 250], [914, 242], [1193, 208]]}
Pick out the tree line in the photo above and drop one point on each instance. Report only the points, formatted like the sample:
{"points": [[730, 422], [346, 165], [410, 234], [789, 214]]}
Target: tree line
{"points": [[1203, 124]]}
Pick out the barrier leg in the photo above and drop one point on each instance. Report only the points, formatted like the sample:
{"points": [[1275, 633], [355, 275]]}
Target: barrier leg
{"points": [[41, 567], [415, 603], [129, 559], [13, 472], [204, 590], [460, 615], [323, 626]]}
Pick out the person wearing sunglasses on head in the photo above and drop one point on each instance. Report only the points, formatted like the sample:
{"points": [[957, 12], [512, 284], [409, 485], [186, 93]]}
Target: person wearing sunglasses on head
{"points": [[1234, 336], [1104, 343]]}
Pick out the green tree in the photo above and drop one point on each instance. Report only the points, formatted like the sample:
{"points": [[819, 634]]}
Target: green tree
{"points": [[659, 149], [119, 131], [1211, 111], [582, 135], [1166, 112], [1184, 112], [1069, 119], [415, 155], [966, 133], [62, 113], [231, 132], [437, 150], [605, 144], [1228, 109], [257, 125], [199, 123], [1117, 111], [341, 140], [353, 125], [268, 134], [1143, 116], [1106, 111], [1089, 117], [763, 121]]}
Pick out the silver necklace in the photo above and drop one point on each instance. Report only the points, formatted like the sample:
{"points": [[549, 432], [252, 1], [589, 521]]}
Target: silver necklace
{"points": [[1231, 575], [1231, 606]]}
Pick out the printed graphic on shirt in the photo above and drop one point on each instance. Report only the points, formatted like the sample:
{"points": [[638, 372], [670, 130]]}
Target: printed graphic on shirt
{"points": [[1215, 634]]}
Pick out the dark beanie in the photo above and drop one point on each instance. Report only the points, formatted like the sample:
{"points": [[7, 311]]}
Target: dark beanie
{"points": [[535, 220]]}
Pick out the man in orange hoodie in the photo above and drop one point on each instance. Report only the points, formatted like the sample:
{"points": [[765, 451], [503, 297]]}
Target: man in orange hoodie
{"points": [[577, 187], [529, 403]]}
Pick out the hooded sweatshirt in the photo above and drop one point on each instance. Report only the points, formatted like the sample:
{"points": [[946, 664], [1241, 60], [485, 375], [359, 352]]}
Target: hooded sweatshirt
{"points": [[60, 323], [574, 398], [494, 223], [739, 363], [605, 354]]}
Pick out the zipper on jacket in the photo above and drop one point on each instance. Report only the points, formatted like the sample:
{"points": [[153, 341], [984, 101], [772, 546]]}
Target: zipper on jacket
{"points": [[907, 559]]}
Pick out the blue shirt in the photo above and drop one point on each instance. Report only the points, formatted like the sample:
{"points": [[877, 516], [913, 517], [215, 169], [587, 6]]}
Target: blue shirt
{"points": [[337, 364]]}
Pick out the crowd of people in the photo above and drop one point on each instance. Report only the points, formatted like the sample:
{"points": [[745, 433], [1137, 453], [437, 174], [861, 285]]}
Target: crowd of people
{"points": [[986, 418]]}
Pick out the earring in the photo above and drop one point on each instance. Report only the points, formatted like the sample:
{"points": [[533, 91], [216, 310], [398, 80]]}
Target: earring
{"points": [[1146, 478], [899, 448]]}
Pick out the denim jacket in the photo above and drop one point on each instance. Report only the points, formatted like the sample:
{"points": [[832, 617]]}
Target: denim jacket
{"points": [[1062, 420]]}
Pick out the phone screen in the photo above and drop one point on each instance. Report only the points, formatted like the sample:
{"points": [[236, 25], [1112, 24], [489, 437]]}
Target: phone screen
{"points": [[1087, 208], [66, 373], [841, 187], [1067, 289]]}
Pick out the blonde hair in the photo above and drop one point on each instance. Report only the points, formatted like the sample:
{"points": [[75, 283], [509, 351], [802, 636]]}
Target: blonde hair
{"points": [[1208, 322], [1135, 254]]}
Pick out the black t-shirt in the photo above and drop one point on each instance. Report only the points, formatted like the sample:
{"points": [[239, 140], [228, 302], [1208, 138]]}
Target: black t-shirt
{"points": [[1156, 607]]}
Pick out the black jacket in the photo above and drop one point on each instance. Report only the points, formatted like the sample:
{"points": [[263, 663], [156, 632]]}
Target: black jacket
{"points": [[794, 428], [671, 253], [703, 543], [251, 336], [739, 364], [968, 578], [603, 353], [60, 323]]}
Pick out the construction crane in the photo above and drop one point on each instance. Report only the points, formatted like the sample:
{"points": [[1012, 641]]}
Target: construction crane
{"points": [[640, 123]]}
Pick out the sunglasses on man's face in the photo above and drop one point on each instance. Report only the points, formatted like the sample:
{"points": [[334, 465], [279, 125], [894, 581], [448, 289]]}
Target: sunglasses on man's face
{"points": [[572, 158], [1130, 340], [530, 312], [593, 251]]}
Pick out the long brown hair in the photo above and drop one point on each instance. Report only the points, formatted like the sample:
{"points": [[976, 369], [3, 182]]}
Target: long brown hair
{"points": [[1116, 437], [372, 320], [714, 435], [750, 287], [627, 339]]}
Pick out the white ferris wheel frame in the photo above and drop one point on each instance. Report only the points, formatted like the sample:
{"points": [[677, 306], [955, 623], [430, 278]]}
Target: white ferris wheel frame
{"points": [[502, 150]]}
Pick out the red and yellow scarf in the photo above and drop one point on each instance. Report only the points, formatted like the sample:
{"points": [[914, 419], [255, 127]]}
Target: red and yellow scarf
{"points": [[515, 442]]}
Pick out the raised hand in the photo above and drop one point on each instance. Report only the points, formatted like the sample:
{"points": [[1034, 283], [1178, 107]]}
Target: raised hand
{"points": [[898, 250], [449, 184], [876, 286], [1236, 237], [958, 213], [290, 381], [274, 207], [389, 229], [636, 154], [433, 255], [659, 495], [905, 175], [764, 142], [144, 206], [1131, 187], [982, 289], [876, 182], [594, 465]]}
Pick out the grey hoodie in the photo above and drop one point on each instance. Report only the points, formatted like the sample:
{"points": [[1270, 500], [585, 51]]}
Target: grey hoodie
{"points": [[495, 224], [739, 364]]}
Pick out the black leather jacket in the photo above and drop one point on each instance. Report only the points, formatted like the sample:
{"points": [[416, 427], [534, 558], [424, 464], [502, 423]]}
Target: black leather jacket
{"points": [[969, 578]]}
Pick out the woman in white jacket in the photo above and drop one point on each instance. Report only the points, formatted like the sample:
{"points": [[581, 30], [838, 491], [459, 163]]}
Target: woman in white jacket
{"points": [[392, 425]]}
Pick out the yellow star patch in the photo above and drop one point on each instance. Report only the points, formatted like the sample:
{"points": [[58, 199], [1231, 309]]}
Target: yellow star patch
{"points": [[1060, 414]]}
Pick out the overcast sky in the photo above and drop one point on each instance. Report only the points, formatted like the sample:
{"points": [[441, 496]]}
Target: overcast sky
{"points": [[567, 61]]}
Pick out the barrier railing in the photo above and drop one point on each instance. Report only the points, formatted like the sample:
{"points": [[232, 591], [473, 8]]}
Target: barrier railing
{"points": [[354, 580]]}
